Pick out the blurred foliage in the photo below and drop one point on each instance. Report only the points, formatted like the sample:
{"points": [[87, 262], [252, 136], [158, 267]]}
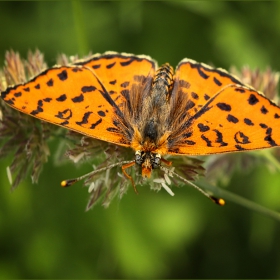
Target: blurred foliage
{"points": [[44, 230]]}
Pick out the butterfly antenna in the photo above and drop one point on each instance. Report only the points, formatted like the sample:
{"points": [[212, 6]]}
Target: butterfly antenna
{"points": [[70, 182], [216, 200]]}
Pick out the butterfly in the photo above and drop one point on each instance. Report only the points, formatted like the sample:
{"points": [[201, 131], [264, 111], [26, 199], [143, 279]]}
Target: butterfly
{"points": [[128, 100]]}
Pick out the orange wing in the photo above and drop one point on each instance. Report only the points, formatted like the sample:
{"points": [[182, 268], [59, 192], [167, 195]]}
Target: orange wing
{"points": [[83, 97], [200, 82], [119, 72], [236, 119]]}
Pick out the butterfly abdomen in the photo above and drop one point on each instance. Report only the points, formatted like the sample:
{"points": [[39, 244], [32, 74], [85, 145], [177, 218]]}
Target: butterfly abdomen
{"points": [[163, 79]]}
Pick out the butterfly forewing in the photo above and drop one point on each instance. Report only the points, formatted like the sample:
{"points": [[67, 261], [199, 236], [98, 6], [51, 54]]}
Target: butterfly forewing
{"points": [[84, 97]]}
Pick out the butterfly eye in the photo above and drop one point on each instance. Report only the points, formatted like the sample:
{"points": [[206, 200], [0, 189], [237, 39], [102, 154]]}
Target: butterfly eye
{"points": [[156, 161], [139, 157]]}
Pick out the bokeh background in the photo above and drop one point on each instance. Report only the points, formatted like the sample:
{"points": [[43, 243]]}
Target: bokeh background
{"points": [[44, 230]]}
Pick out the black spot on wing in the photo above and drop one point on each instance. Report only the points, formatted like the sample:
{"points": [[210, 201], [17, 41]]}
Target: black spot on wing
{"points": [[219, 138], [94, 125], [224, 106], [202, 74], [269, 130], [109, 66], [50, 83], [17, 94], [37, 86], [241, 90], [253, 99], [241, 138], [202, 127], [101, 113], [96, 66], [232, 119], [268, 137], [113, 82], [48, 99], [64, 123], [270, 141], [40, 103], [62, 75], [88, 89], [263, 125], [125, 84], [61, 98], [39, 108], [26, 89], [194, 95], [206, 97], [189, 142], [264, 110], [126, 63], [112, 129], [76, 69], [217, 82], [84, 119], [35, 112], [199, 68], [238, 147], [208, 141], [248, 121], [78, 99], [64, 115], [190, 104], [188, 134], [10, 102]]}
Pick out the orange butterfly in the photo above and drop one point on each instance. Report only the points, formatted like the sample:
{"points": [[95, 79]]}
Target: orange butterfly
{"points": [[127, 100]]}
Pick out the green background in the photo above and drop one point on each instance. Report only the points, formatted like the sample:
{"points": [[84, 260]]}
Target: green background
{"points": [[44, 231]]}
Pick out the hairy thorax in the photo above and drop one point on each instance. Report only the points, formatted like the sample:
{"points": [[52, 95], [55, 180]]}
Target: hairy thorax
{"points": [[151, 129]]}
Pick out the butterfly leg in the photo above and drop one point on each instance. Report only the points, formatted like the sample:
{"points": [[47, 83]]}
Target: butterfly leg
{"points": [[167, 162], [128, 176]]}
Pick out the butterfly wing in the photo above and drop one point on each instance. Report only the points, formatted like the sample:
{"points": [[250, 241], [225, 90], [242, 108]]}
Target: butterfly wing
{"points": [[120, 72], [83, 97], [200, 82], [236, 119]]}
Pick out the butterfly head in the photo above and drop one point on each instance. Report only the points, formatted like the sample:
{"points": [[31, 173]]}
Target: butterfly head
{"points": [[148, 161]]}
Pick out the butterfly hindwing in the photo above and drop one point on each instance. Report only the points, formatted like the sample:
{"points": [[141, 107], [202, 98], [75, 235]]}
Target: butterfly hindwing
{"points": [[120, 72], [200, 82], [236, 119]]}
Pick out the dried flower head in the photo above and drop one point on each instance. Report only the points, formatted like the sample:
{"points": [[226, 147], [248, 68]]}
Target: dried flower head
{"points": [[21, 136]]}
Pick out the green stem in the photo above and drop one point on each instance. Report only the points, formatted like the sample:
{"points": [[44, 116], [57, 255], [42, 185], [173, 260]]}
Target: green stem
{"points": [[228, 196], [79, 25]]}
